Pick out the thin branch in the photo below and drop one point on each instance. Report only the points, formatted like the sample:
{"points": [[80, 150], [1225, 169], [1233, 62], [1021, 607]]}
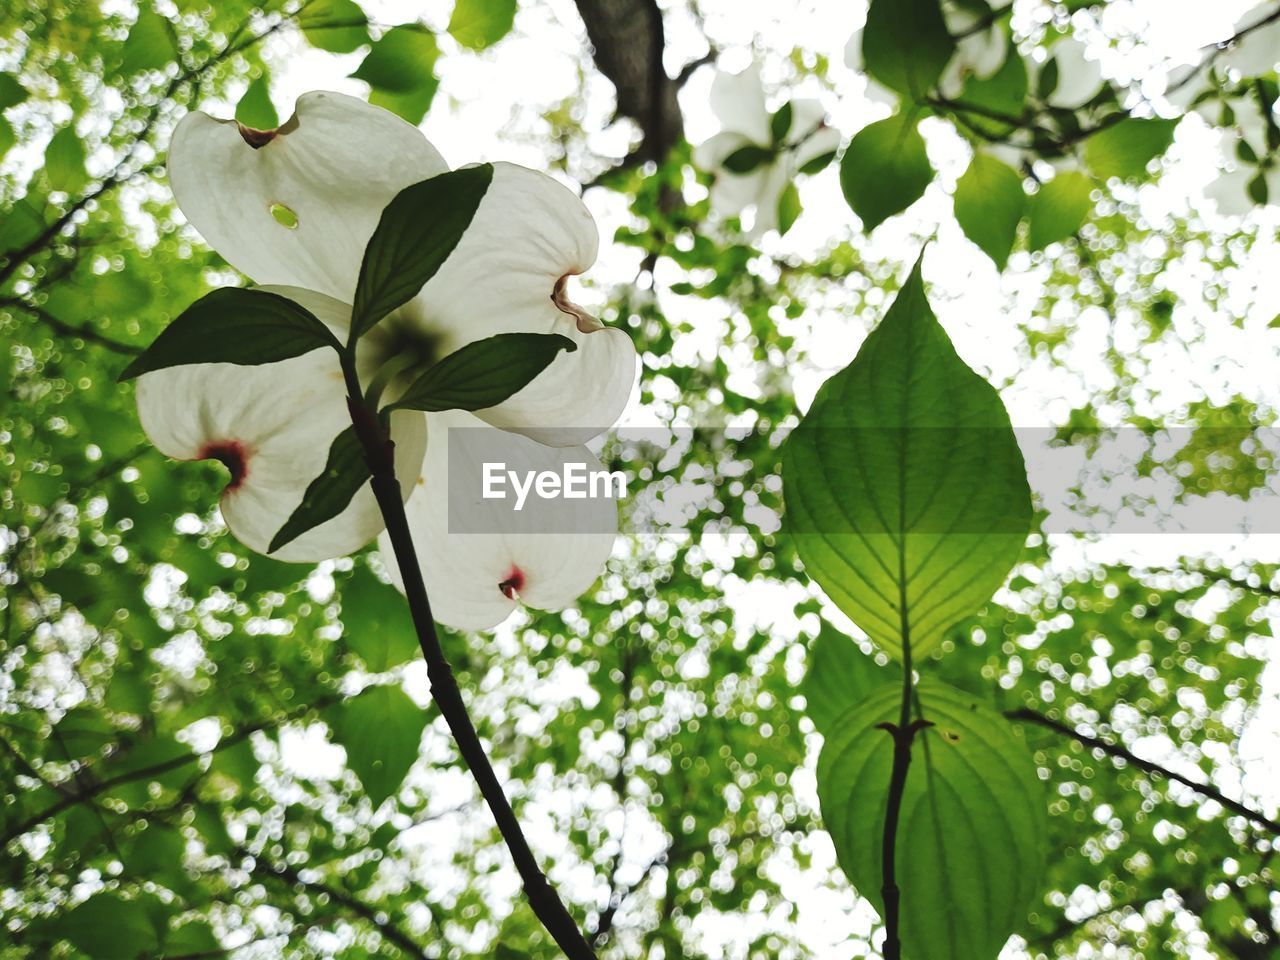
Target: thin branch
{"points": [[1112, 750], [87, 334], [543, 899]]}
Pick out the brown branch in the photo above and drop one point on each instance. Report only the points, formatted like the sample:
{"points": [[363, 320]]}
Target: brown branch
{"points": [[1120, 753], [88, 334]]}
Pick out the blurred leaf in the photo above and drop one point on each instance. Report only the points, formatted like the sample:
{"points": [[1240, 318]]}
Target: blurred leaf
{"points": [[839, 676], [484, 373], [885, 169], [195, 938], [905, 488], [338, 26], [399, 69], [380, 729], [12, 92], [109, 927], [992, 99], [376, 621], [151, 44], [989, 204], [1058, 209], [64, 162], [971, 850], [481, 23], [746, 159], [780, 123], [906, 45], [1123, 150], [788, 207], [255, 108]]}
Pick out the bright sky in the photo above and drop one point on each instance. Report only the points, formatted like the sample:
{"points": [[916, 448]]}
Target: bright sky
{"points": [[490, 107]]}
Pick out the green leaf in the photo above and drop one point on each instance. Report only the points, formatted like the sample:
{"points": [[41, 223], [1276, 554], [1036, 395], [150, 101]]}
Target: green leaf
{"points": [[64, 161], [991, 99], [1123, 150], [12, 92], [989, 205], [154, 850], [818, 163], [376, 621], [484, 373], [345, 472], [255, 108], [235, 325], [194, 938], [885, 169], [109, 927], [338, 26], [380, 730], [971, 852], [839, 676], [481, 23], [417, 231], [400, 70], [151, 44], [905, 45], [904, 484], [747, 158], [22, 223], [82, 732], [788, 207], [1058, 209], [780, 123]]}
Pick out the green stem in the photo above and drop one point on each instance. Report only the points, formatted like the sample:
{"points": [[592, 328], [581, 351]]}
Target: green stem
{"points": [[378, 451]]}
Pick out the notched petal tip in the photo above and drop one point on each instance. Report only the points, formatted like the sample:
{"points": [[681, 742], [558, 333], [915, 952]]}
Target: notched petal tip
{"points": [[233, 455], [511, 586], [560, 297]]}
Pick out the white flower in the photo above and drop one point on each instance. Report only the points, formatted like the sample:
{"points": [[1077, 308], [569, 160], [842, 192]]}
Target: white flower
{"points": [[1229, 190], [979, 53], [293, 209], [1259, 52], [1079, 78], [738, 102]]}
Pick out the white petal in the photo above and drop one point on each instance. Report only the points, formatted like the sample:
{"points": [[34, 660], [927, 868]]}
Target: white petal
{"points": [[983, 53], [775, 181], [1229, 191], [546, 555], [1079, 79], [737, 99], [529, 234], [853, 52], [732, 193], [1257, 53], [824, 140], [335, 164], [277, 420]]}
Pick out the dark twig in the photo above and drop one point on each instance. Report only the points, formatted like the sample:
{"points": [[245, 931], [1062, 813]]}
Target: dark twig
{"points": [[1028, 715], [542, 897], [88, 334]]}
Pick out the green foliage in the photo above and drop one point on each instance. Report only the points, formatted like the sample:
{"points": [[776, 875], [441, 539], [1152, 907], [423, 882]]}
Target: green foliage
{"points": [[417, 231], [484, 373], [838, 676], [1123, 150], [973, 850], [339, 26], [905, 45], [64, 162], [151, 44], [481, 23], [255, 108], [400, 71], [1058, 209], [375, 622], [989, 206], [905, 488], [380, 729], [255, 326], [885, 169]]}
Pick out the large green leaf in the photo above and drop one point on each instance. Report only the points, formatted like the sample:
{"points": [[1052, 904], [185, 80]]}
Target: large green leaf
{"points": [[64, 161], [345, 472], [1058, 209], [380, 730], [839, 675], [905, 45], [989, 206], [255, 108], [1124, 149], [484, 373], [994, 105], [339, 26], [400, 69], [970, 851], [151, 44], [375, 621], [885, 169], [904, 483], [417, 231], [109, 927], [234, 325], [481, 23]]}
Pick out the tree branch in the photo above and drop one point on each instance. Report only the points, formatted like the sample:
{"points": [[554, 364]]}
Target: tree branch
{"points": [[1117, 752], [87, 334]]}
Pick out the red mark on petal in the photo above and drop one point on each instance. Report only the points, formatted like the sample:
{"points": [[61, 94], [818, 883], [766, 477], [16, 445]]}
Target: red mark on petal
{"points": [[560, 297], [232, 455], [513, 584], [254, 137]]}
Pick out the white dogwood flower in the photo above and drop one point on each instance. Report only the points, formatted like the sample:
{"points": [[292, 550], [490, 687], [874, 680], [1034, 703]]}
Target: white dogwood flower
{"points": [[752, 167], [293, 209], [1079, 77], [981, 46], [1258, 52]]}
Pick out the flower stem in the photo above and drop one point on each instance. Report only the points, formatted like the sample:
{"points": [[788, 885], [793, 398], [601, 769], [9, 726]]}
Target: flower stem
{"points": [[902, 734], [544, 901]]}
